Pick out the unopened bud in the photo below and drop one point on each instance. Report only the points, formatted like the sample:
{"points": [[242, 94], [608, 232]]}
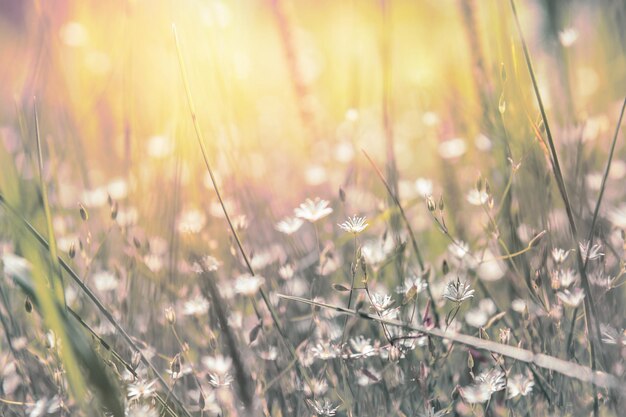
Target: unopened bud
{"points": [[170, 315], [83, 212], [136, 359], [394, 353]]}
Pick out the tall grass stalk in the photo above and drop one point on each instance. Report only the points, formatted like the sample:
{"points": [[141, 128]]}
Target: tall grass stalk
{"points": [[304, 373]]}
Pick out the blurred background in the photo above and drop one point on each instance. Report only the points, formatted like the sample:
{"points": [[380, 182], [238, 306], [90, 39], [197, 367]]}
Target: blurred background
{"points": [[288, 94]]}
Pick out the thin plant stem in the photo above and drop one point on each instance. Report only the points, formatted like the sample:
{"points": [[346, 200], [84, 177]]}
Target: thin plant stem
{"points": [[200, 140]]}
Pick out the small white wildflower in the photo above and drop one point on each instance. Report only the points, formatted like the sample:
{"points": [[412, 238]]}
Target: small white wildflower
{"points": [[289, 225], [247, 284], [220, 380], [362, 347], [354, 224], [381, 301], [593, 253], [559, 255], [477, 198], [191, 221], [325, 351], [457, 291], [452, 148], [459, 249], [519, 385], [568, 36], [323, 409], [611, 336], [141, 389], [563, 278], [617, 216], [571, 298], [210, 263], [196, 306], [313, 210], [494, 379], [316, 388], [412, 286], [105, 281], [424, 186], [286, 271], [475, 394], [219, 364]]}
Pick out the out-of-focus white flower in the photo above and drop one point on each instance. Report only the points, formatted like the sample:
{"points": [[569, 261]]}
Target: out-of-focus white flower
{"points": [[595, 252], [519, 385], [247, 284], [313, 210], [196, 306], [477, 198], [289, 225], [568, 36], [105, 281], [559, 255], [572, 298], [484, 386], [452, 148], [617, 216], [219, 364]]}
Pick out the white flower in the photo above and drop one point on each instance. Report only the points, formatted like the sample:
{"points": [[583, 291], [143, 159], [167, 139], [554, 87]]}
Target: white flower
{"points": [[452, 148], [484, 385], [459, 249], [559, 255], [617, 216], [568, 36], [362, 347], [247, 284], [424, 186], [457, 291], [564, 278], [313, 210], [519, 385], [220, 381], [323, 409], [325, 351], [217, 364], [381, 301], [376, 251], [572, 298], [477, 198], [595, 252], [191, 221], [105, 281], [354, 224], [141, 389], [196, 306], [412, 286], [289, 225], [611, 336]]}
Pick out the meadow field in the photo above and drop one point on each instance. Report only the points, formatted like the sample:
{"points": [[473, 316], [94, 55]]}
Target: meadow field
{"points": [[312, 208]]}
